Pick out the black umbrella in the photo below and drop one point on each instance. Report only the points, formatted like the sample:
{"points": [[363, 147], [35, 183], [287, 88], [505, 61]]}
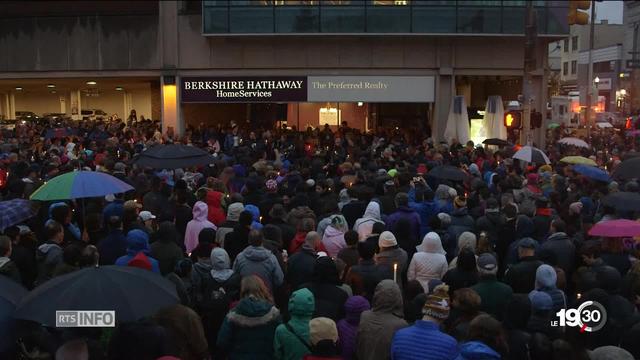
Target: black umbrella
{"points": [[10, 294], [173, 156], [628, 169], [496, 141], [447, 172], [623, 201], [131, 292]]}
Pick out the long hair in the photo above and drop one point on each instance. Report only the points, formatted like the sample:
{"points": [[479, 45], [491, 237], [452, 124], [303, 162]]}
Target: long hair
{"points": [[486, 329], [254, 286]]}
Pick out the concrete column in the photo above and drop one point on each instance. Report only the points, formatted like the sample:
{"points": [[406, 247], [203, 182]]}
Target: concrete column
{"points": [[171, 111], [168, 28], [11, 106], [445, 89], [126, 99], [6, 114], [76, 104]]}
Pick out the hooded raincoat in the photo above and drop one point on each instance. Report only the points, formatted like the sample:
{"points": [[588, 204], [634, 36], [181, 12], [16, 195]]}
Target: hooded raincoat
{"points": [[287, 345], [199, 222], [429, 262], [364, 225]]}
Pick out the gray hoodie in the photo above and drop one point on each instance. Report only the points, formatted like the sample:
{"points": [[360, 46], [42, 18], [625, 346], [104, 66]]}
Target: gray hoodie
{"points": [[48, 256], [256, 260]]}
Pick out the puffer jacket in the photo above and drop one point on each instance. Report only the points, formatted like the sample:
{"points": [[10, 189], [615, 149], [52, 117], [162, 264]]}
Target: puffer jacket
{"points": [[476, 350], [248, 330], [288, 346], [256, 260]]}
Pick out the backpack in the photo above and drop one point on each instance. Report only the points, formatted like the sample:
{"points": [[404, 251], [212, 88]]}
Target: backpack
{"points": [[212, 303]]}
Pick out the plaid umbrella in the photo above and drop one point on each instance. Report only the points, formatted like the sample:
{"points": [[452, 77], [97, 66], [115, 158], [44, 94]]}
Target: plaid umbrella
{"points": [[14, 212]]}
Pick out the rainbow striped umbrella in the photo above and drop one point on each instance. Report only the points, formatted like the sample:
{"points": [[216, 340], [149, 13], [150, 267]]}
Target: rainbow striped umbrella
{"points": [[80, 184]]}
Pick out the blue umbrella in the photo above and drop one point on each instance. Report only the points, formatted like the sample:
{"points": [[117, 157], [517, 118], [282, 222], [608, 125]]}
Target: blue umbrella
{"points": [[592, 173], [14, 212], [10, 295]]}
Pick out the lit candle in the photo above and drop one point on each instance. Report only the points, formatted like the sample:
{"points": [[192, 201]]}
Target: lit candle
{"points": [[395, 272]]}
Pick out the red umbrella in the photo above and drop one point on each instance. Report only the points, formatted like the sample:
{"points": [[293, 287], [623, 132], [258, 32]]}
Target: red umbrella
{"points": [[616, 228]]}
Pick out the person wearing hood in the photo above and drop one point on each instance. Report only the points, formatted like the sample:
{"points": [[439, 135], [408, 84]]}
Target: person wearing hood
{"points": [[444, 195], [466, 240], [465, 274], [429, 262], [364, 225], [238, 239], [278, 217], [233, 216], [7, 267], [521, 276], [542, 219], [199, 222], [391, 255], [403, 211], [49, 254], [494, 294], [331, 213], [546, 279], [165, 249], [486, 340], [215, 212], [255, 213], [323, 336], [424, 337], [256, 260], [492, 221], [348, 327], [248, 330], [422, 201], [138, 242], [461, 221], [561, 246], [378, 325], [114, 245], [201, 273], [325, 286], [333, 238], [344, 198], [291, 341], [524, 229]]}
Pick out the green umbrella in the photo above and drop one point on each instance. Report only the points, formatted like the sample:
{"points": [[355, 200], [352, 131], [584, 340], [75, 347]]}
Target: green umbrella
{"points": [[553, 126]]}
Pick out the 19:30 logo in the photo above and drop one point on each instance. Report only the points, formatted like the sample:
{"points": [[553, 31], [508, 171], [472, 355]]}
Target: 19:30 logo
{"points": [[590, 316]]}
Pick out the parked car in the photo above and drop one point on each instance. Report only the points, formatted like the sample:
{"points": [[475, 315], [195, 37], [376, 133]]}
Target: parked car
{"points": [[8, 124], [55, 119], [93, 114]]}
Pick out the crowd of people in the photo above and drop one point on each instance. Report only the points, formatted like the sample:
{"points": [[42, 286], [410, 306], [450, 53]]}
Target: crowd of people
{"points": [[328, 244]]}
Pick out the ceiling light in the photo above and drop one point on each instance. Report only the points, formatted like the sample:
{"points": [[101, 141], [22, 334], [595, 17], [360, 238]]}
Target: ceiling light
{"points": [[51, 86], [53, 91], [91, 82], [19, 88], [119, 88]]}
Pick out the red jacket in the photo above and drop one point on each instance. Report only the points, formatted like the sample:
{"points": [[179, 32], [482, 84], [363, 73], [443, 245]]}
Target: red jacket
{"points": [[298, 241], [216, 214]]}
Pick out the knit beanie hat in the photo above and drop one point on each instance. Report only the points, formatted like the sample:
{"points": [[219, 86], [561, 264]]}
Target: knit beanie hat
{"points": [[234, 210], [437, 304], [545, 276], [460, 201], [387, 239], [322, 328]]}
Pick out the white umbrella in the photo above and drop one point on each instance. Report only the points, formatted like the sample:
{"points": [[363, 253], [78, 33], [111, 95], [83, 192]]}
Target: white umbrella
{"points": [[603, 125], [458, 121], [574, 142], [532, 155], [494, 118]]}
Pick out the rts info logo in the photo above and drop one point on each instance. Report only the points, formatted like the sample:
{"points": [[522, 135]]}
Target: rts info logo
{"points": [[590, 316]]}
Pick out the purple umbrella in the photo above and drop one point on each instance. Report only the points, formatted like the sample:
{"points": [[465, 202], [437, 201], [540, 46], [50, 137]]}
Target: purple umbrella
{"points": [[616, 228], [14, 212]]}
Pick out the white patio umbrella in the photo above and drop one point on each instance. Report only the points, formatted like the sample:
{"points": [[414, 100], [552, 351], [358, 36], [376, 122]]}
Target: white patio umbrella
{"points": [[603, 125], [494, 118], [458, 121], [574, 142], [532, 155]]}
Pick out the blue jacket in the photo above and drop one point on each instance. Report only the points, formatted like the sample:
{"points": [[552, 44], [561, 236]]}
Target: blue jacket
{"points": [[138, 240], [113, 246], [475, 350], [404, 212], [423, 341]]}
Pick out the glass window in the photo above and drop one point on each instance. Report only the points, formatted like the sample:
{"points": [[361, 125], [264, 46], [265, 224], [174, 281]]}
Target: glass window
{"points": [[566, 45], [378, 19], [297, 19], [430, 19], [565, 68], [215, 20], [479, 20], [251, 20], [342, 19], [513, 20], [574, 67], [574, 43]]}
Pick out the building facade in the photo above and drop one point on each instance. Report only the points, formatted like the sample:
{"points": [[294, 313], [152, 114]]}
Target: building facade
{"points": [[374, 63]]}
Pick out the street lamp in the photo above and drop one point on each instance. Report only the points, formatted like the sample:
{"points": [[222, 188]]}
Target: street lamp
{"points": [[596, 80], [623, 92]]}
